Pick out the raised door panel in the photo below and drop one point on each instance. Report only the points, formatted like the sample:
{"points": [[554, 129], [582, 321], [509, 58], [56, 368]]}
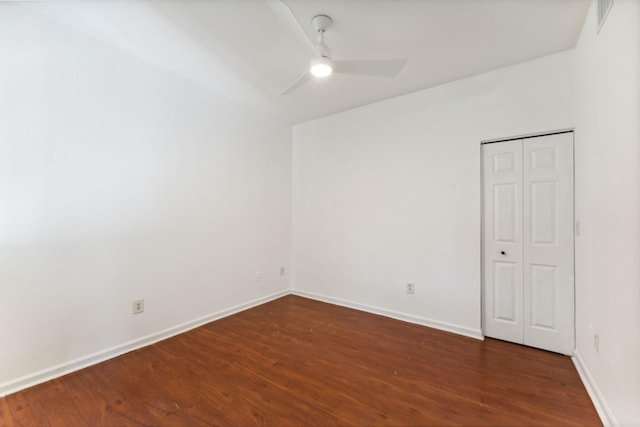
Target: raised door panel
{"points": [[544, 213], [543, 296], [504, 213], [505, 288]]}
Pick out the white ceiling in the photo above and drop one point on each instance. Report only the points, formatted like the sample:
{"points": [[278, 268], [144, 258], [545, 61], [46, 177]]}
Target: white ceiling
{"points": [[242, 50]]}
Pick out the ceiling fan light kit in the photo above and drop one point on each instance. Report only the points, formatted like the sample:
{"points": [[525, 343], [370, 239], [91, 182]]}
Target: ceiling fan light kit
{"points": [[321, 67]]}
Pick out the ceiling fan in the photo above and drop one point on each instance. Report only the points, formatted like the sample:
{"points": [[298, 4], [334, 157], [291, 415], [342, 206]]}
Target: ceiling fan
{"points": [[322, 64]]}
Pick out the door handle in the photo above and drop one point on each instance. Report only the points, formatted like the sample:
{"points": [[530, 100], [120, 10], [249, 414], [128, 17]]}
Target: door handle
{"points": [[503, 253]]}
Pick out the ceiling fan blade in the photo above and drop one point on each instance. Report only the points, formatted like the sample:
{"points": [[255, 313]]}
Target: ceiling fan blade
{"points": [[295, 85], [289, 21], [370, 67]]}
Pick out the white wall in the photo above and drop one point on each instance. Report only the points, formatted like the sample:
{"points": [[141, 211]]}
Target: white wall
{"points": [[119, 181], [607, 152], [390, 193]]}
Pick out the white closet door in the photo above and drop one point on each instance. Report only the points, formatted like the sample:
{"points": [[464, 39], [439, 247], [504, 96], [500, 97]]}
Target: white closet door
{"points": [[548, 242], [503, 316], [528, 242]]}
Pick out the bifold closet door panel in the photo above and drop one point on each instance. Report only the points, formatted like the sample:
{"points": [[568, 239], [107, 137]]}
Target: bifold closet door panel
{"points": [[502, 252], [548, 242]]}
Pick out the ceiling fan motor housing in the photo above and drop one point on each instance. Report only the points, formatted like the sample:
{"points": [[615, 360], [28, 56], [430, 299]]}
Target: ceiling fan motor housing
{"points": [[321, 23]]}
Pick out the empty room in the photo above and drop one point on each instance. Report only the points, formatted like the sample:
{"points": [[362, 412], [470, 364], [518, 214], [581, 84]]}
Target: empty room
{"points": [[319, 212]]}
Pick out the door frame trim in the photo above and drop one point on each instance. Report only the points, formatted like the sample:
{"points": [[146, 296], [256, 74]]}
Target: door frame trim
{"points": [[482, 237]]}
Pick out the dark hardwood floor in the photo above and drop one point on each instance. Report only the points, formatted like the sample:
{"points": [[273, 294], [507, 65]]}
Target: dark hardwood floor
{"points": [[300, 362]]}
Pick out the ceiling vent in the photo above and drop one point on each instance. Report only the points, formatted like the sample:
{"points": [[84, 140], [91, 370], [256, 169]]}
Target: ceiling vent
{"points": [[604, 6]]}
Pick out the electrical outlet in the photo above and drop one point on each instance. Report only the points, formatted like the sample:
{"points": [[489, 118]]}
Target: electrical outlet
{"points": [[596, 342], [138, 306], [258, 276], [282, 271], [411, 288]]}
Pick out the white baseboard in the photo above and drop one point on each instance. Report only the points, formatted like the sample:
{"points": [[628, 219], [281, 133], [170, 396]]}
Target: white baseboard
{"points": [[92, 359], [603, 409], [460, 330], [56, 371]]}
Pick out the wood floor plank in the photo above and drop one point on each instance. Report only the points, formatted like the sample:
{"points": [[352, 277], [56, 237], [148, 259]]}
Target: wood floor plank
{"points": [[296, 362]]}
